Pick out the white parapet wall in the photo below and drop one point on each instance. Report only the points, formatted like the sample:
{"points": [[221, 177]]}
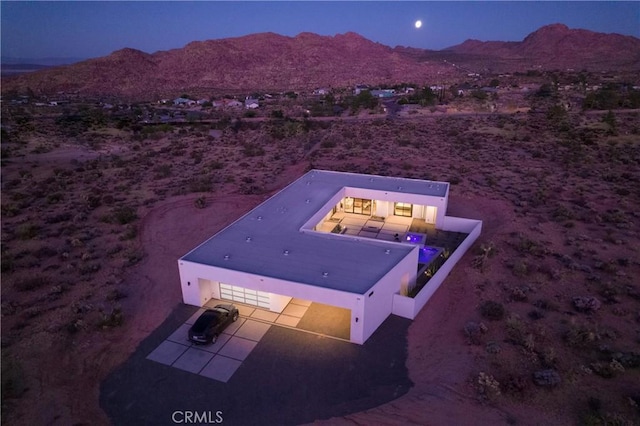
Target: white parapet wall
{"points": [[409, 307]]}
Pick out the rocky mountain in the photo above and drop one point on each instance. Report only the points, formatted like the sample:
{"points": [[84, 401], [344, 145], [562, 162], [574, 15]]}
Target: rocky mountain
{"points": [[264, 61], [558, 47], [274, 62]]}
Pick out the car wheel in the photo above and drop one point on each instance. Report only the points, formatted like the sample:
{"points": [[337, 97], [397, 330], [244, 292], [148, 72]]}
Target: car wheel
{"points": [[235, 317], [214, 338]]}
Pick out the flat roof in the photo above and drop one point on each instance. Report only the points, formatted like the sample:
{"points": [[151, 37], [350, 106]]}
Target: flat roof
{"points": [[268, 240]]}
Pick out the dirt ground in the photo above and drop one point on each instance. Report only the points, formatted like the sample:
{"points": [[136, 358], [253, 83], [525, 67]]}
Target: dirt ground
{"points": [[102, 229]]}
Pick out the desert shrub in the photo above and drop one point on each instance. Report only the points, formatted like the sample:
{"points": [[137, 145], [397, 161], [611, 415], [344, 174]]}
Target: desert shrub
{"points": [[27, 231], [116, 294], [492, 310], [13, 379], [111, 319], [162, 171], [252, 150], [474, 332], [517, 332], [57, 218], [124, 215], [515, 385], [44, 252], [201, 184], [580, 336], [130, 233], [200, 202], [520, 268], [133, 256], [215, 165], [7, 263], [488, 387], [32, 283], [545, 305], [485, 251]]}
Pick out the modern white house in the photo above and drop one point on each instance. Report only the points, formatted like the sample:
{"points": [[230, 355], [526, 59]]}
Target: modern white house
{"points": [[340, 239]]}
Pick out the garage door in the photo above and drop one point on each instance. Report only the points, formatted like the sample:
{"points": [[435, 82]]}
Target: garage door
{"points": [[244, 295]]}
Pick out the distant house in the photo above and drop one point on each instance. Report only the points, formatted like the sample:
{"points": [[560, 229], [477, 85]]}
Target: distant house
{"points": [[202, 101], [251, 103], [384, 93], [183, 101], [321, 91], [360, 88]]}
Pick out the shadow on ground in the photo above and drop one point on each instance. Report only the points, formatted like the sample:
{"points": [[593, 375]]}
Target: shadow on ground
{"points": [[329, 320], [291, 377]]}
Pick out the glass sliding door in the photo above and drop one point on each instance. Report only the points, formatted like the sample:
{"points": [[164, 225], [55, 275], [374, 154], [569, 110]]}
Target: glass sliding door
{"points": [[403, 209], [358, 205]]}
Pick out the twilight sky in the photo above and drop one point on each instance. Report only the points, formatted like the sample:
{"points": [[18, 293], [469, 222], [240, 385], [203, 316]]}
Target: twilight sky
{"points": [[36, 29]]}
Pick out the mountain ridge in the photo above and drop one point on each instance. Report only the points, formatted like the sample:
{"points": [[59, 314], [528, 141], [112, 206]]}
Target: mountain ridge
{"points": [[270, 61]]}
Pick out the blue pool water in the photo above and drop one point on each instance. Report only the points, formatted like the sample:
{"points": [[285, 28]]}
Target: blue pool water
{"points": [[427, 254]]}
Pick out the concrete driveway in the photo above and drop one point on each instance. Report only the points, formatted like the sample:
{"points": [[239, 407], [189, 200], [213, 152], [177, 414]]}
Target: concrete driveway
{"points": [[289, 377]]}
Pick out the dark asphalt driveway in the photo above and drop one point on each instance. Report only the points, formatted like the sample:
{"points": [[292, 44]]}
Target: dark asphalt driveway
{"points": [[291, 377]]}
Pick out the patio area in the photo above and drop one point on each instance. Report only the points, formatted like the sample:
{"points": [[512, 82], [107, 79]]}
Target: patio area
{"points": [[367, 226], [391, 228]]}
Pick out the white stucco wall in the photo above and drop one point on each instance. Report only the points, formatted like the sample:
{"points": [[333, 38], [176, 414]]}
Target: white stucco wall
{"points": [[409, 307], [193, 294], [378, 302]]}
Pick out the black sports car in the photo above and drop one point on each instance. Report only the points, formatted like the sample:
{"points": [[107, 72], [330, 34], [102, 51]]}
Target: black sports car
{"points": [[211, 323]]}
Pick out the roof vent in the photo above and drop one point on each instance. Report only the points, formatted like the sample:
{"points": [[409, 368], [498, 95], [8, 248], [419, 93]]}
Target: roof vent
{"points": [[248, 239], [286, 252], [308, 182], [259, 217], [399, 188], [226, 257], [307, 201], [387, 251], [371, 180], [325, 274]]}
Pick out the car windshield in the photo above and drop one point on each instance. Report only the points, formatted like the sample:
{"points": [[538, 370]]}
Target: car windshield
{"points": [[205, 319], [221, 309]]}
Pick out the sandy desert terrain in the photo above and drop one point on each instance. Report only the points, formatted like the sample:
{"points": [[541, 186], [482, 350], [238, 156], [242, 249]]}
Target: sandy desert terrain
{"points": [[540, 324]]}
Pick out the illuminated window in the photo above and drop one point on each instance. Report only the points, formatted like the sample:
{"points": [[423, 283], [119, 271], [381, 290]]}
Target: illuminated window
{"points": [[357, 205], [402, 209]]}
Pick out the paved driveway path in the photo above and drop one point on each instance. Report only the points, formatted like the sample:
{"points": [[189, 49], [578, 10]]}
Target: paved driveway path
{"points": [[290, 377]]}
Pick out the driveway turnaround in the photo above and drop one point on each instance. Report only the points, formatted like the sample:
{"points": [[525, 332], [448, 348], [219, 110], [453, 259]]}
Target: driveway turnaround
{"points": [[220, 360], [289, 377]]}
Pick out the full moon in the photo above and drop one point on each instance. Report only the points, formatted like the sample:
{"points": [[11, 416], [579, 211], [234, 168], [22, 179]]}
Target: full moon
{"points": [[418, 24]]}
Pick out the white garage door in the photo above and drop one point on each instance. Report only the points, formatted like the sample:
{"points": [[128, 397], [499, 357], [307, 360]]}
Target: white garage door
{"points": [[244, 295]]}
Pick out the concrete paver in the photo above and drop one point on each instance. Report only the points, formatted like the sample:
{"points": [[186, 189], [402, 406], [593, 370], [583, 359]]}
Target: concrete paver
{"points": [[288, 320], [265, 315], [295, 310], [253, 330], [220, 368], [237, 348], [234, 326], [193, 360], [181, 335], [215, 348], [167, 352]]}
